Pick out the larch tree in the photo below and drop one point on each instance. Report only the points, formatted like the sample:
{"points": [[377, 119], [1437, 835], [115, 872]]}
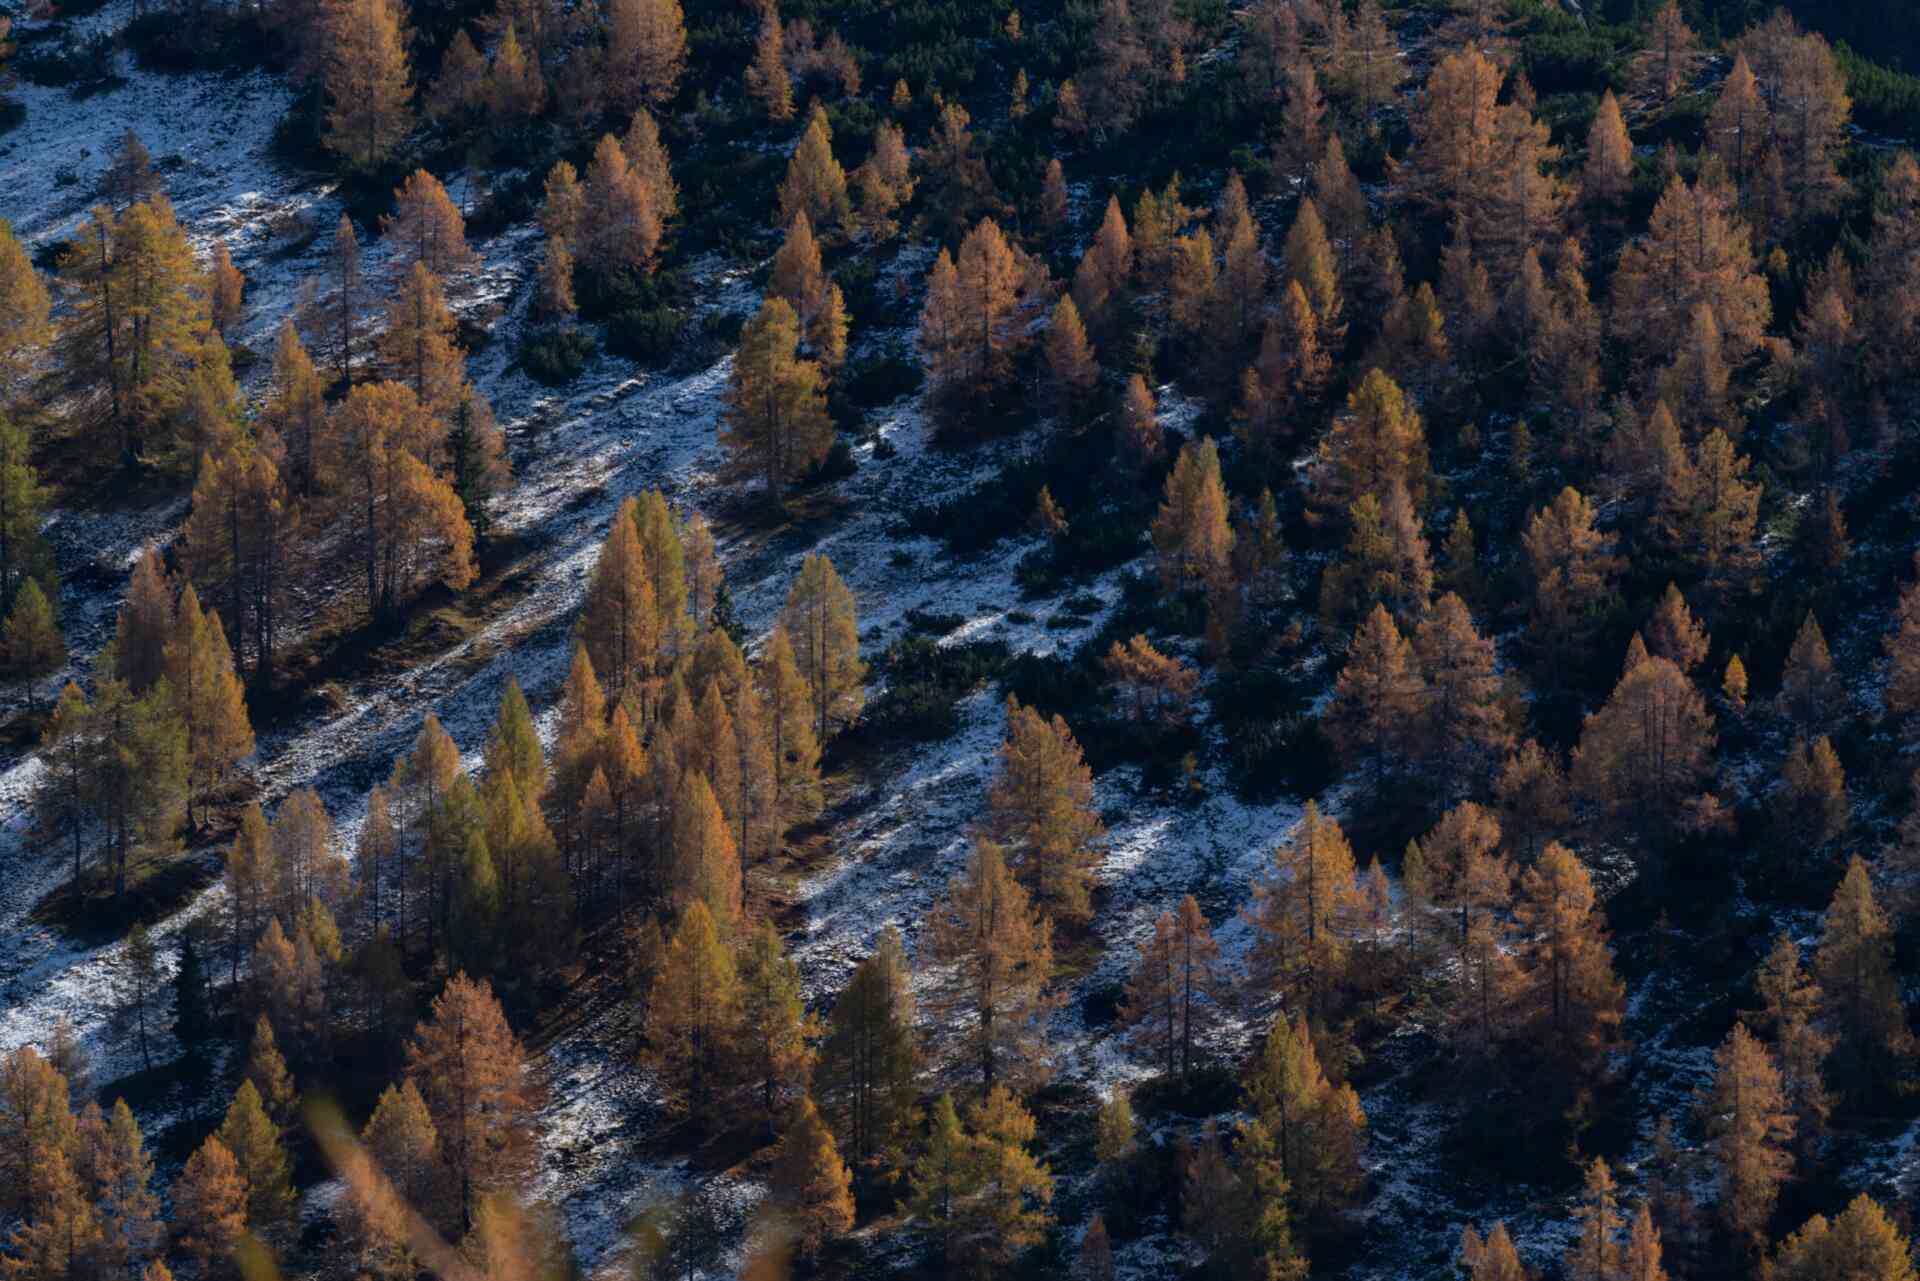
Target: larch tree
{"points": [[1192, 541], [31, 645], [1854, 965], [1177, 990], [209, 1204], [693, 1014], [1101, 279], [1696, 251], [1458, 865], [1791, 1017], [1379, 693], [822, 623], [994, 955], [619, 622], [471, 1070], [1492, 1259], [1596, 1255], [810, 1181], [1810, 806], [1317, 1129], [1862, 1243], [1811, 694], [815, 182], [1669, 42], [870, 1055], [705, 862], [1466, 724], [1378, 440], [418, 347], [406, 523], [25, 311], [646, 51], [1643, 1257], [1902, 649], [884, 181], [225, 289], [368, 82], [340, 312], [791, 740], [1574, 572], [774, 1025], [1644, 754], [1040, 810], [198, 664], [1745, 1114], [1306, 260], [254, 1140], [775, 423], [767, 77], [1607, 177], [428, 228], [1577, 1001], [620, 224], [1072, 371], [1303, 912], [1671, 633]]}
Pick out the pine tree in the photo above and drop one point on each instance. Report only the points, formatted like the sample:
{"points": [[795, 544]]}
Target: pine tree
{"points": [[471, 1070], [367, 82], [1378, 694], [1040, 810], [1744, 1113], [870, 1055], [767, 77], [646, 50], [210, 1204], [815, 183], [775, 423], [997, 958], [810, 1181], [694, 1014], [1176, 991], [1302, 913]]}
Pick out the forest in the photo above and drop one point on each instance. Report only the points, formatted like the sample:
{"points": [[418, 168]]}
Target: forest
{"points": [[801, 638]]}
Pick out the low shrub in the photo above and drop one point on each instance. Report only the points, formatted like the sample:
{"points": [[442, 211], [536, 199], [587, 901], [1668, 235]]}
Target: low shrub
{"points": [[555, 356]]}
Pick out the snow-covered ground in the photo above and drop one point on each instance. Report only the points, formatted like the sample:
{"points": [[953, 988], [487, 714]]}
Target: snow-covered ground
{"points": [[576, 453]]}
